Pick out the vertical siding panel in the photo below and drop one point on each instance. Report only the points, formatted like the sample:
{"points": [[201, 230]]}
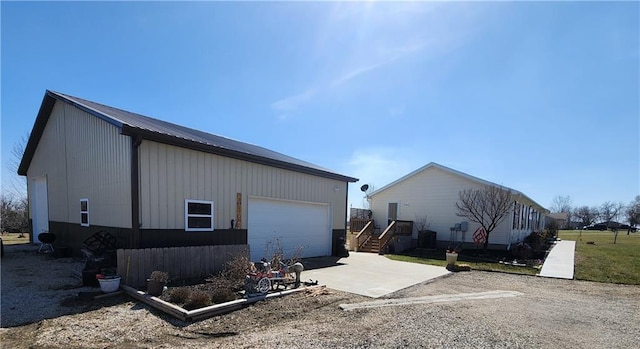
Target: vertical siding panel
{"points": [[171, 187], [174, 174], [78, 152], [201, 180], [155, 187], [179, 185], [162, 188], [193, 175], [234, 179], [208, 187], [224, 191], [147, 184]]}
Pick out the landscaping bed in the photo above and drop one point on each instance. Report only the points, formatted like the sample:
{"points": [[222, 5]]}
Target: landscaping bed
{"points": [[499, 261], [525, 258]]}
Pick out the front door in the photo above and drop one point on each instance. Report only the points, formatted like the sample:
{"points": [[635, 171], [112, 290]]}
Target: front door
{"points": [[40, 206], [392, 212]]}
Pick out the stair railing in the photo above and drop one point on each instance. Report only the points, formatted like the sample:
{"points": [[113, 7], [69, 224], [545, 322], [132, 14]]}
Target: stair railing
{"points": [[364, 235], [386, 235]]}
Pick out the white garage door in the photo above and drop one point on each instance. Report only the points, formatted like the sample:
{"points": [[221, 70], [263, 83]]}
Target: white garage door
{"points": [[293, 224]]}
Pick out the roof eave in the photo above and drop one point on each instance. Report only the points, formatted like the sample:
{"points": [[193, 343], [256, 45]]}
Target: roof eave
{"points": [[36, 132]]}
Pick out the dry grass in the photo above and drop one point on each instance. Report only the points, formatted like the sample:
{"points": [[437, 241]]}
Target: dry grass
{"points": [[14, 238]]}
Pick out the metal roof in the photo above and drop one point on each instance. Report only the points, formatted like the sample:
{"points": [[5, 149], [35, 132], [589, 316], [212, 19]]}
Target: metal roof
{"points": [[137, 125]]}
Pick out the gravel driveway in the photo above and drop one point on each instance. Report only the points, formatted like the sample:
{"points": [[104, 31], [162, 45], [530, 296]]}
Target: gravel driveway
{"points": [[550, 313]]}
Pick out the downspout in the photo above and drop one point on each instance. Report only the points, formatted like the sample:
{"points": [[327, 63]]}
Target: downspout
{"points": [[136, 140]]}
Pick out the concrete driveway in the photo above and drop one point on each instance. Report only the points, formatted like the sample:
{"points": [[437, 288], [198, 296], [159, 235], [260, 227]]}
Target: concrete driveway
{"points": [[368, 274]]}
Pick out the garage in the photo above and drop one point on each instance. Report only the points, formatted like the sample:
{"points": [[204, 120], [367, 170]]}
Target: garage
{"points": [[295, 224]]}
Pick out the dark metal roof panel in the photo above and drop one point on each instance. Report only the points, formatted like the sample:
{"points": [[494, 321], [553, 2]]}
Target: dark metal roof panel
{"points": [[166, 131]]}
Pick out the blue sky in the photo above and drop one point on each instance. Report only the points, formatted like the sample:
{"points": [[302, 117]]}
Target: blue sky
{"points": [[542, 97]]}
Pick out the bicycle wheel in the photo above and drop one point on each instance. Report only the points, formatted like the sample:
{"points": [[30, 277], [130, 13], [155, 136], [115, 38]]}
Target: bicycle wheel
{"points": [[263, 285]]}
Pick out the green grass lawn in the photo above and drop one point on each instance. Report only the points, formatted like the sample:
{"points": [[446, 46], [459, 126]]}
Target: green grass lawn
{"points": [[604, 261], [438, 258]]}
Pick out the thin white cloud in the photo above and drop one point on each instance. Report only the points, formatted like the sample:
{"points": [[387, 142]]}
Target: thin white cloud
{"points": [[357, 39], [292, 102], [355, 73], [388, 56]]}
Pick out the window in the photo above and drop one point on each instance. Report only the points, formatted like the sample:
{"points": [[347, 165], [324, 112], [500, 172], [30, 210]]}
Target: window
{"points": [[198, 215], [515, 215], [84, 212]]}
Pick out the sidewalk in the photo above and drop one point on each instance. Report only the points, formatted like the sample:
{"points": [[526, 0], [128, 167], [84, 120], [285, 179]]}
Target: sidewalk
{"points": [[560, 261]]}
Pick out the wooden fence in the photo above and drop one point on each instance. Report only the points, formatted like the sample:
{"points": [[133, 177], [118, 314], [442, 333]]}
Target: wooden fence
{"points": [[182, 263], [356, 224]]}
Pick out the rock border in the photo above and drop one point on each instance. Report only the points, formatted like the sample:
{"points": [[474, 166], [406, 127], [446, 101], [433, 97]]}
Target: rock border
{"points": [[206, 312]]}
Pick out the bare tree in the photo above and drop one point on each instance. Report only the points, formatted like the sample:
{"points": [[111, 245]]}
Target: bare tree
{"points": [[561, 204], [633, 213], [18, 184], [587, 215], [14, 217], [421, 223], [487, 207], [610, 211]]}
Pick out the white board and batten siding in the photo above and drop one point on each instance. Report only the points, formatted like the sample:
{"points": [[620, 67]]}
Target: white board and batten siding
{"points": [[81, 157], [432, 192]]}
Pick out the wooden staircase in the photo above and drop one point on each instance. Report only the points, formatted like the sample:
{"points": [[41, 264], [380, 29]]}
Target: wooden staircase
{"points": [[371, 245], [371, 240]]}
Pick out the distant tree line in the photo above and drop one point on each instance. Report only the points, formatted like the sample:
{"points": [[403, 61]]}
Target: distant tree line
{"points": [[14, 214], [14, 206], [608, 213]]}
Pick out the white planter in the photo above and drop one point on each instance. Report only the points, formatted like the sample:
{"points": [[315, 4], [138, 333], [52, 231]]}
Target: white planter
{"points": [[452, 258], [109, 284]]}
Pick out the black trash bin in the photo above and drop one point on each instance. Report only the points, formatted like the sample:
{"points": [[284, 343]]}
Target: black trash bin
{"points": [[340, 249], [427, 239]]}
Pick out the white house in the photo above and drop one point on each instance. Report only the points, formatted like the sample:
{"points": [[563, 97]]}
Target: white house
{"points": [[432, 192], [150, 183]]}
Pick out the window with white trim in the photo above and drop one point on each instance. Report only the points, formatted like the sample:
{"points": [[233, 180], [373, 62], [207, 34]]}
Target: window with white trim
{"points": [[84, 212], [198, 215]]}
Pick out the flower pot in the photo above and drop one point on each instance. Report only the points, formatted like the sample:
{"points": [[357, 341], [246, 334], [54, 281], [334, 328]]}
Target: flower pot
{"points": [[154, 287], [109, 284], [452, 258]]}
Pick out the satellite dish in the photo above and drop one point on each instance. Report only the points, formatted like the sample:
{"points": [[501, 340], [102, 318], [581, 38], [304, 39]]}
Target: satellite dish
{"points": [[364, 187]]}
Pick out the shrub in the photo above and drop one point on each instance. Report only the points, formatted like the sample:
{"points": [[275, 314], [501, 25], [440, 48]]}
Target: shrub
{"points": [[221, 295], [522, 251], [179, 295], [236, 271], [159, 276], [221, 289], [197, 299], [538, 240]]}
